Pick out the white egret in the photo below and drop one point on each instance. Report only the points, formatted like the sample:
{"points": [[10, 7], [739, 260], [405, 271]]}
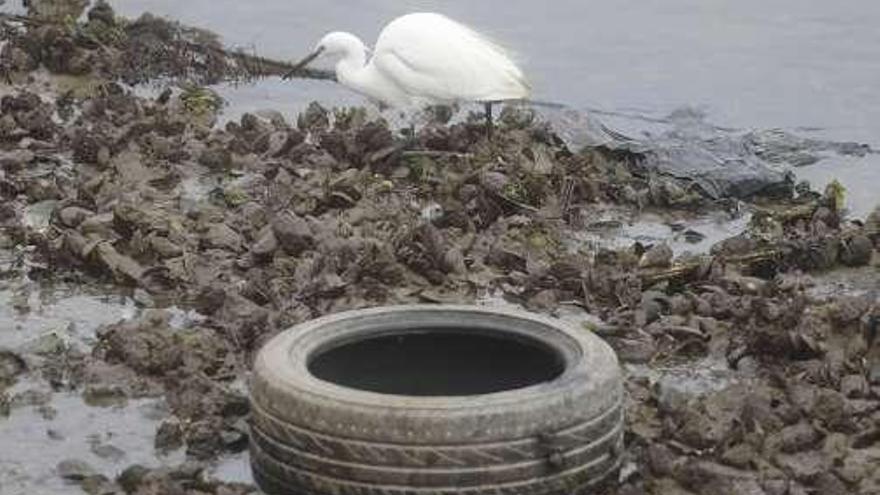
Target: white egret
{"points": [[425, 59]]}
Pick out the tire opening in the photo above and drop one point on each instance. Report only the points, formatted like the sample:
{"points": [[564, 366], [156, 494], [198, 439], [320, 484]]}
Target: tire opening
{"points": [[438, 362]]}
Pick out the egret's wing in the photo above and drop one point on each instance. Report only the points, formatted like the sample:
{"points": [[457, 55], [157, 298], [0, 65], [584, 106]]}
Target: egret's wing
{"points": [[432, 56]]}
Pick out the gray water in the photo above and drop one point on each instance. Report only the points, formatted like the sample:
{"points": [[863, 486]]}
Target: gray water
{"points": [[809, 66], [48, 426]]}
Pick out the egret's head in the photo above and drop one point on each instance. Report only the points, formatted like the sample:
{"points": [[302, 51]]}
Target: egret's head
{"points": [[338, 43]]}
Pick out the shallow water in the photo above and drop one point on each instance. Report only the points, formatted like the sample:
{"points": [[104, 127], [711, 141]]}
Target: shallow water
{"points": [[48, 426], [61, 426], [29, 312], [809, 66], [849, 281], [108, 438], [691, 379], [685, 235]]}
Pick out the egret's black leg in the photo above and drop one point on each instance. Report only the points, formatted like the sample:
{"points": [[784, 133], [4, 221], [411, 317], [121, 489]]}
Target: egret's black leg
{"points": [[489, 124], [410, 130]]}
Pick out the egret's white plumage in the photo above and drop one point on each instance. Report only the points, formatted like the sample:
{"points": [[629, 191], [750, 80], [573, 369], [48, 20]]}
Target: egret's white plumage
{"points": [[425, 58]]}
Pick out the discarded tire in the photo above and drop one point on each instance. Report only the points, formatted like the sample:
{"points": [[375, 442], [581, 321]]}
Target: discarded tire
{"points": [[430, 399]]}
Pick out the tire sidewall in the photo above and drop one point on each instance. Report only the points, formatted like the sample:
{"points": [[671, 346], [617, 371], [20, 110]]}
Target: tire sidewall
{"points": [[284, 389]]}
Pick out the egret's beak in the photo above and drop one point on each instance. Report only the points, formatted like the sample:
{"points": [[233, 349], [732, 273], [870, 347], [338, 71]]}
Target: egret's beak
{"points": [[304, 62]]}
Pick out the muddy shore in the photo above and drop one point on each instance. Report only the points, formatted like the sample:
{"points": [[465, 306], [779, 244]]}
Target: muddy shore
{"points": [[753, 366]]}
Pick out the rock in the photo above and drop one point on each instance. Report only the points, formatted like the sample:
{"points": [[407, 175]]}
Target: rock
{"points": [[234, 440], [169, 436], [47, 412], [164, 247], [847, 309], [315, 118], [103, 12], [665, 486], [216, 158], [221, 236], [651, 308], [709, 478], [732, 246], [823, 254], [828, 484], [829, 406], [124, 268], [31, 397], [659, 256], [73, 216], [99, 485], [874, 370], [108, 452], [210, 299], [740, 456], [294, 234], [670, 398], [104, 395], [143, 298], [660, 459], [47, 345], [856, 467], [100, 224], [709, 421], [254, 214], [203, 440], [634, 350], [148, 346], [75, 470], [543, 300], [235, 405], [703, 307], [681, 305], [432, 212], [835, 447], [693, 237], [266, 244], [803, 466], [11, 365], [854, 386], [132, 477], [797, 437], [856, 251], [826, 216], [495, 182]]}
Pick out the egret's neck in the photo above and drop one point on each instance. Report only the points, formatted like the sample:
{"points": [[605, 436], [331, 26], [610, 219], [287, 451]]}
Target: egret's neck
{"points": [[353, 71], [352, 63]]}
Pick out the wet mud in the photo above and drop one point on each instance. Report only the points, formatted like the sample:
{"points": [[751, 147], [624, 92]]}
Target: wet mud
{"points": [[748, 326]]}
